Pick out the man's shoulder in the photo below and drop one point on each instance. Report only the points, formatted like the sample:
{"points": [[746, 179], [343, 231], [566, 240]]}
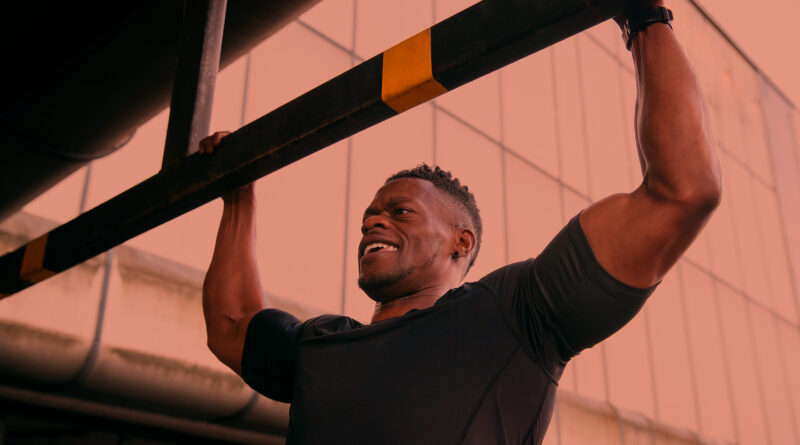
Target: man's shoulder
{"points": [[504, 275], [328, 324]]}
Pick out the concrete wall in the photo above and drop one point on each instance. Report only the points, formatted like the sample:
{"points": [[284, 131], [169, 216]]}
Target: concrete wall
{"points": [[712, 358]]}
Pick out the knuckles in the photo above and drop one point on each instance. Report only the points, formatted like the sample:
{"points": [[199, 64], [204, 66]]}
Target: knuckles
{"points": [[208, 143]]}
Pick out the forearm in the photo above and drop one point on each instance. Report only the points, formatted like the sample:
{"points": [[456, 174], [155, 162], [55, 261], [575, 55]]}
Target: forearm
{"points": [[672, 123], [232, 289]]}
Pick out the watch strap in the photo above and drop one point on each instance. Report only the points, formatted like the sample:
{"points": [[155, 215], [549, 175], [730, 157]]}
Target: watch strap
{"points": [[640, 20]]}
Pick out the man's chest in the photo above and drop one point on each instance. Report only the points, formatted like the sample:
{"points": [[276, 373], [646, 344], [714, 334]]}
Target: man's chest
{"points": [[433, 375]]}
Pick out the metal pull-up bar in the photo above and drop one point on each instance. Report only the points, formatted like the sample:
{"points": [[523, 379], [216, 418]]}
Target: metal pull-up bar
{"points": [[464, 47]]}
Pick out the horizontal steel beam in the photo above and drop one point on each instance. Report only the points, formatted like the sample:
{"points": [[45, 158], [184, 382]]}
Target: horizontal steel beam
{"points": [[474, 42]]}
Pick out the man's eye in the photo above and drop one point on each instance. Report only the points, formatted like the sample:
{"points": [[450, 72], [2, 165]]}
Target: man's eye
{"points": [[401, 211]]}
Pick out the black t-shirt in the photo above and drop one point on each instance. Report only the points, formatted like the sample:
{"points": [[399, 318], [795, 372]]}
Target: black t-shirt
{"points": [[479, 367]]}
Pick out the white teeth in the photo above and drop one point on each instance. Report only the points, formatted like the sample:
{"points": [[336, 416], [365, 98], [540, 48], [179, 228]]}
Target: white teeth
{"points": [[374, 247]]}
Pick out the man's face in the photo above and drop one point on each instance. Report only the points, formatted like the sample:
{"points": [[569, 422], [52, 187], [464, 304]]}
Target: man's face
{"points": [[407, 236]]}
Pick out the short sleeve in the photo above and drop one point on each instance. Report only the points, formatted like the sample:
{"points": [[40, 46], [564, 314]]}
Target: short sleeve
{"points": [[564, 301], [269, 352]]}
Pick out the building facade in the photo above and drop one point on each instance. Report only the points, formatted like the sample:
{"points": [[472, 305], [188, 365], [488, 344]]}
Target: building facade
{"points": [[714, 356]]}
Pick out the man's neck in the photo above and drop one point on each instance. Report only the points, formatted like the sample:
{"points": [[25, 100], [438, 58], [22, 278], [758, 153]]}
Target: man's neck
{"points": [[400, 306]]}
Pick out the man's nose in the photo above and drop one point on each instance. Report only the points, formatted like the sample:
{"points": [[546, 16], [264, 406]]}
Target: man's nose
{"points": [[373, 221]]}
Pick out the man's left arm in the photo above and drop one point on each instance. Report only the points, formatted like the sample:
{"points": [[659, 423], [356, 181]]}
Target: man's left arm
{"points": [[638, 236]]}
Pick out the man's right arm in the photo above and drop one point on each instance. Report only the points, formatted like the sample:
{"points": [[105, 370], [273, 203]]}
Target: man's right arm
{"points": [[232, 292]]}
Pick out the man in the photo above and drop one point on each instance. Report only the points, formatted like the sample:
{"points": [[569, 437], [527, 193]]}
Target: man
{"points": [[476, 363]]}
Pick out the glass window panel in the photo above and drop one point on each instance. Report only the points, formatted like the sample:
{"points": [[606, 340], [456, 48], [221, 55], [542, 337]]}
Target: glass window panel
{"points": [[569, 107], [722, 236], [630, 383], [589, 368], [607, 149], [794, 252], [334, 18], [665, 310], [381, 24], [288, 64], [477, 103], [729, 129], [747, 397], [534, 209], [776, 256], [796, 123], [773, 376], [790, 347], [756, 141], [529, 119], [785, 160], [708, 359], [739, 189]]}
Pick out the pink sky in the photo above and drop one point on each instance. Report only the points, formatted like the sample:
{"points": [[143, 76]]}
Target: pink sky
{"points": [[767, 31]]}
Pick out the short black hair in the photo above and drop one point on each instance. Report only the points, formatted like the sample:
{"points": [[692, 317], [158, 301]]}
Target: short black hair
{"points": [[451, 186]]}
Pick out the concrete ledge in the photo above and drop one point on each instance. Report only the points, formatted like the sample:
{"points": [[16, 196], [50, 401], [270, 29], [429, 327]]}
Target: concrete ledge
{"points": [[584, 421]]}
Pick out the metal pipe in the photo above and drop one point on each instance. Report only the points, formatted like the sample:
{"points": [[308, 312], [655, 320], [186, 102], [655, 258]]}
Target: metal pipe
{"points": [[91, 356], [195, 428]]}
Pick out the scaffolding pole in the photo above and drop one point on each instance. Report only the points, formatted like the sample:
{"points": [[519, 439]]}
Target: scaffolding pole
{"points": [[464, 47]]}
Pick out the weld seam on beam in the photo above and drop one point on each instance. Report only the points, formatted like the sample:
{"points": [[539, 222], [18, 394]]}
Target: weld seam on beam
{"points": [[407, 77], [32, 269]]}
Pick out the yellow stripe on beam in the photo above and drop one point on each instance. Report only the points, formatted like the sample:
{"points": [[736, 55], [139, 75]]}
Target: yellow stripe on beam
{"points": [[407, 73], [32, 269]]}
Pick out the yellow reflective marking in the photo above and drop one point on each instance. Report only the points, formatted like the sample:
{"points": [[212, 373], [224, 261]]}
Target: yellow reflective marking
{"points": [[407, 73], [32, 260]]}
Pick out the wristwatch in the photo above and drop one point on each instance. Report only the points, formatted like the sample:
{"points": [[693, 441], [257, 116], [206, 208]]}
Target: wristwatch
{"points": [[642, 19]]}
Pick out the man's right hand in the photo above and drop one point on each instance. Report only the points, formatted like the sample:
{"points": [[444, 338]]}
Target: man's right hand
{"points": [[207, 146]]}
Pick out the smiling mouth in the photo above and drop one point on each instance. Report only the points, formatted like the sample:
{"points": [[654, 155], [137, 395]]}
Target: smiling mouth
{"points": [[378, 247]]}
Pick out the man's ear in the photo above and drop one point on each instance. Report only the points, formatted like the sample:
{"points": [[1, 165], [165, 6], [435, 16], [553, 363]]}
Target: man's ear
{"points": [[465, 242]]}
